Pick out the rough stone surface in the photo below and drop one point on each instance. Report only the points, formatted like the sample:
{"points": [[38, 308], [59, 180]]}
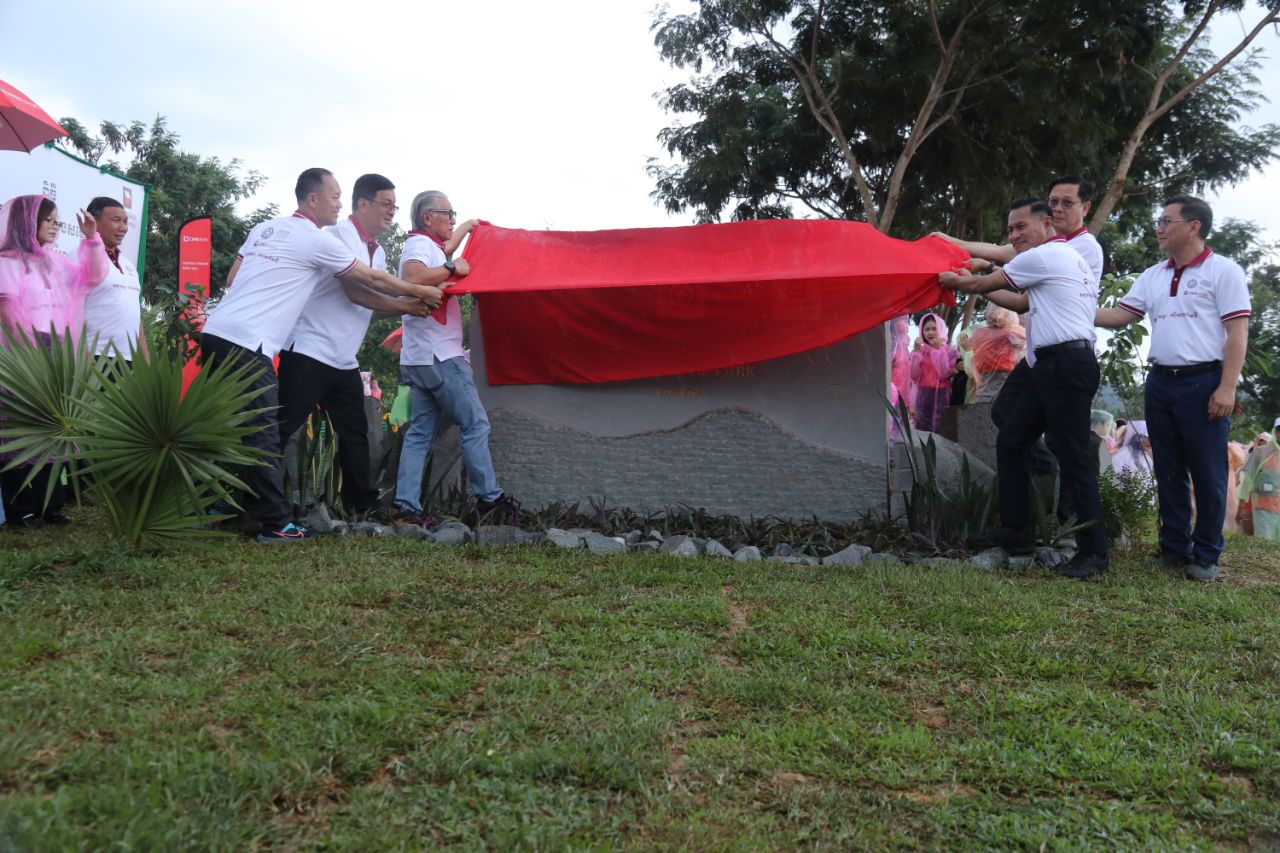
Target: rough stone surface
{"points": [[412, 531], [782, 549], [319, 520], [712, 548], [747, 554], [1048, 557], [368, 528], [680, 546], [990, 559], [655, 536], [812, 424], [934, 562], [1021, 564], [598, 543], [851, 556], [499, 534], [791, 560], [563, 538], [633, 538], [340, 528], [971, 427], [887, 559], [452, 535], [650, 547]]}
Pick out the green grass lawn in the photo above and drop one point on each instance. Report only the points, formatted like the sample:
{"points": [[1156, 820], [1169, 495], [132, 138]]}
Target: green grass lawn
{"points": [[381, 694]]}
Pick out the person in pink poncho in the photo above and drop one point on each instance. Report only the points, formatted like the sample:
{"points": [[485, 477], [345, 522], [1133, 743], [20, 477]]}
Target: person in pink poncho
{"points": [[42, 295], [931, 369], [900, 386]]}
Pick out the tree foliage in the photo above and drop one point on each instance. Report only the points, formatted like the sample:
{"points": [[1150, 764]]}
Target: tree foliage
{"points": [[183, 186], [915, 116]]}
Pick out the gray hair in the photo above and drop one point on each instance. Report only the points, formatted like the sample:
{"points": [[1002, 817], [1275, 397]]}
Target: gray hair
{"points": [[423, 202]]}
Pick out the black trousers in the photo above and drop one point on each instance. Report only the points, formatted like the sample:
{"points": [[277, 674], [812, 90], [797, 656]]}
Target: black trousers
{"points": [[305, 384], [268, 503], [1059, 401], [1042, 454], [29, 501]]}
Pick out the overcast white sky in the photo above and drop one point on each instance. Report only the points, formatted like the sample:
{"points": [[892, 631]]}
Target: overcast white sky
{"points": [[530, 115]]}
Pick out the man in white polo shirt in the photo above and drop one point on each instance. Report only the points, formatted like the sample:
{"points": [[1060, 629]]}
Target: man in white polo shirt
{"points": [[1070, 198], [1055, 284], [278, 267], [318, 365], [113, 310], [1199, 307], [432, 364]]}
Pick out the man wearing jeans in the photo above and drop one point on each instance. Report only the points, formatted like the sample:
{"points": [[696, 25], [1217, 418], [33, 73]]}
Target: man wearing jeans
{"points": [[433, 366], [1199, 307]]}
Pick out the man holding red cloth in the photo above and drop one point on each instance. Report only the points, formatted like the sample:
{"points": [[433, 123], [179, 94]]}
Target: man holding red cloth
{"points": [[434, 365]]}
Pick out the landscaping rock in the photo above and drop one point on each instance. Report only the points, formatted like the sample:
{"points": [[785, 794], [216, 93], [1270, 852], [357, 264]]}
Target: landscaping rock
{"points": [[1048, 557], [655, 536], [1021, 564], [790, 560], [1066, 552], [319, 520], [648, 547], [851, 556], [782, 550], [499, 534], [453, 535], [563, 538], [598, 543], [747, 554], [368, 528], [339, 529], [885, 559], [412, 531], [712, 548], [633, 538], [935, 561], [990, 559], [680, 546]]}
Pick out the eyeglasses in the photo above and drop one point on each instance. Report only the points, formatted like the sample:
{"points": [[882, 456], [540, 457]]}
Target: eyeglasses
{"points": [[1165, 222], [384, 204], [57, 223], [1064, 203], [452, 214]]}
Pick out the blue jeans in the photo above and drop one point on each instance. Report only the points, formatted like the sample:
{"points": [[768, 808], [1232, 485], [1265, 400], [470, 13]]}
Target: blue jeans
{"points": [[446, 386], [1187, 448]]}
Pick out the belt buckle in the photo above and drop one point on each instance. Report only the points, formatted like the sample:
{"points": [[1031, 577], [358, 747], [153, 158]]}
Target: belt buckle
{"points": [[1174, 372]]}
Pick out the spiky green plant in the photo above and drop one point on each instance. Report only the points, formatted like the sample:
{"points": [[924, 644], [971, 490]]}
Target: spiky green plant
{"points": [[155, 458]]}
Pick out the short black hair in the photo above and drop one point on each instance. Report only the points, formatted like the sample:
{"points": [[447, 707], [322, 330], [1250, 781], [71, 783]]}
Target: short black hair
{"points": [[310, 182], [1197, 209], [100, 204], [368, 186], [1084, 188], [1037, 205]]}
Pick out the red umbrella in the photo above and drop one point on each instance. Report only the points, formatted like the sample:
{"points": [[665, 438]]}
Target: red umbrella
{"points": [[23, 125]]}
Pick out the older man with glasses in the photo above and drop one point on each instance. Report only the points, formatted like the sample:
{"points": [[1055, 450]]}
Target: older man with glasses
{"points": [[1199, 307], [434, 366]]}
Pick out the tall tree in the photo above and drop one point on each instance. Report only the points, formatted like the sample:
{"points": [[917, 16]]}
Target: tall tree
{"points": [[915, 115], [183, 186]]}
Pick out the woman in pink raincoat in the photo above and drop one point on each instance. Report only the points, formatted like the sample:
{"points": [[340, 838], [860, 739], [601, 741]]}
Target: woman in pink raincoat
{"points": [[42, 295], [931, 370]]}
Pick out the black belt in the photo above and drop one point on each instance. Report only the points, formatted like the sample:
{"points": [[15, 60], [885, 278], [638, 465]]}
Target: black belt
{"points": [[1053, 349], [1184, 369]]}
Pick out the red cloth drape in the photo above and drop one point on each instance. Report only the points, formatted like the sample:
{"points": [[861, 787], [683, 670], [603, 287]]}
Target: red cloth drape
{"points": [[601, 306]]}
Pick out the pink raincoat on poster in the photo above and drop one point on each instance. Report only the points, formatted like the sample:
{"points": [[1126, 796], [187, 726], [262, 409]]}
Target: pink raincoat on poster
{"points": [[40, 288]]}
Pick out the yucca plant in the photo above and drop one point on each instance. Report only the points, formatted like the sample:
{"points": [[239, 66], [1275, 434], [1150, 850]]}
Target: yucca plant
{"points": [[155, 459], [44, 385]]}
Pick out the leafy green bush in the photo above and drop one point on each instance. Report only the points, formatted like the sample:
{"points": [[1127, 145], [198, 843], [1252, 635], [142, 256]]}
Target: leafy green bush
{"points": [[1128, 502]]}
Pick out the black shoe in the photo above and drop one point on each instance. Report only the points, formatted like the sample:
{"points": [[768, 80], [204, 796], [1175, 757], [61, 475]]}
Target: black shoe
{"points": [[1016, 542], [1084, 566], [31, 521], [1172, 559], [57, 519], [505, 510]]}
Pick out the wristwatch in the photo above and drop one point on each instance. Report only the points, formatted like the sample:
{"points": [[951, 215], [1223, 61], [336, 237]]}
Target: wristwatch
{"points": [[451, 267]]}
